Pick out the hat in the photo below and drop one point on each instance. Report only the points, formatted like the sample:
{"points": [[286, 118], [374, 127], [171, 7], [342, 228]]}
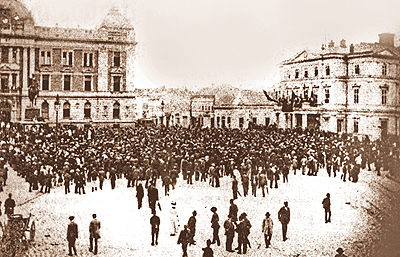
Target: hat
{"points": [[214, 209], [173, 203], [267, 214], [71, 217], [340, 250]]}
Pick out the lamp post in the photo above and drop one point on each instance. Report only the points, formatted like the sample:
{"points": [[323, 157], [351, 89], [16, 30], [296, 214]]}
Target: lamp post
{"points": [[57, 107], [162, 110]]}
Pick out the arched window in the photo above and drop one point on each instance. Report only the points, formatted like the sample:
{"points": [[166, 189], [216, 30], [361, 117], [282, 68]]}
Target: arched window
{"points": [[86, 110], [116, 110], [296, 74], [357, 69], [45, 110], [328, 70], [66, 110], [316, 71]]}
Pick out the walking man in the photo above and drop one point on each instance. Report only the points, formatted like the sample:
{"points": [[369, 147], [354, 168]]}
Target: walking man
{"points": [[207, 251], [183, 239], [139, 194], [9, 205], [192, 228], [72, 235], [284, 218], [94, 231], [174, 219], [155, 227], [215, 226], [233, 211], [267, 226], [326, 203]]}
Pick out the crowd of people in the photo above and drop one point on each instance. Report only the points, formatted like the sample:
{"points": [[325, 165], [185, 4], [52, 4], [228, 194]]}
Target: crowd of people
{"points": [[257, 158]]}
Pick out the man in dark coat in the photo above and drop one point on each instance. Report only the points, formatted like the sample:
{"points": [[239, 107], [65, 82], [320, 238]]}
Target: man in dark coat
{"points": [[326, 203], [284, 218], [72, 235], [139, 194], [207, 251], [235, 188], [192, 228], [230, 233], [94, 231], [183, 239], [215, 226], [152, 194], [155, 228], [9, 205], [233, 211], [243, 230]]}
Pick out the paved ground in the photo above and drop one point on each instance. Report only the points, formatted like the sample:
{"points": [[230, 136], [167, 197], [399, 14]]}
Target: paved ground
{"points": [[364, 217]]}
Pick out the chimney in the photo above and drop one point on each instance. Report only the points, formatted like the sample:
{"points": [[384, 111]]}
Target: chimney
{"points": [[323, 47], [351, 48], [386, 39], [343, 43], [331, 44]]}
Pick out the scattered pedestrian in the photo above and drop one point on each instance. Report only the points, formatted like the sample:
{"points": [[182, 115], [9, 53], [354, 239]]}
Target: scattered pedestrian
{"points": [[94, 231], [9, 205], [207, 251], [267, 228], [192, 228], [72, 235], [174, 219], [229, 233], [215, 226], [155, 228], [183, 240], [233, 211], [340, 252], [284, 218], [326, 203], [139, 194]]}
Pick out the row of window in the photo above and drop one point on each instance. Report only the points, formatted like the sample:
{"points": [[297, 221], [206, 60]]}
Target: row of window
{"points": [[223, 121], [68, 58], [87, 110], [87, 84], [328, 71]]}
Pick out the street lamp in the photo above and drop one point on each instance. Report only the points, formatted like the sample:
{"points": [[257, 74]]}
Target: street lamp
{"points": [[162, 110], [57, 107]]}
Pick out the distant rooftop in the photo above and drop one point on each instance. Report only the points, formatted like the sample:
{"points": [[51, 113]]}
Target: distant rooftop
{"points": [[115, 20]]}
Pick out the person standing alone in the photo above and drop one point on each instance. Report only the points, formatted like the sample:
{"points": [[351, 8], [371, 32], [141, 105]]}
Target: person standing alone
{"points": [[155, 228], [94, 231], [215, 226], [267, 226], [326, 203], [72, 235], [284, 218]]}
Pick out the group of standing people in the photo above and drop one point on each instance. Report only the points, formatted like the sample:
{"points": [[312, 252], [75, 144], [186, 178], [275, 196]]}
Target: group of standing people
{"points": [[73, 232]]}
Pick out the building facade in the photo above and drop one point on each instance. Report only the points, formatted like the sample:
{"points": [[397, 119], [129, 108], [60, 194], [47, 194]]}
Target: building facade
{"points": [[82, 76], [355, 88]]}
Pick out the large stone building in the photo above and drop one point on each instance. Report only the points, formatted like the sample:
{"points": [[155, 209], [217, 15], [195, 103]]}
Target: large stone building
{"points": [[90, 70], [355, 88]]}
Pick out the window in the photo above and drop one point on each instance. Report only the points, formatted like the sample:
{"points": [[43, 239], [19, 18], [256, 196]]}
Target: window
{"points": [[87, 59], [66, 110], [254, 120], [117, 83], [316, 72], [328, 70], [67, 58], [223, 121], [86, 110], [296, 75], [384, 69], [356, 95], [357, 69], [229, 121], [116, 111], [45, 58], [14, 82], [327, 95], [355, 125], [67, 82], [45, 82], [266, 121], [241, 122], [218, 121], [305, 93], [339, 125], [88, 83], [117, 59], [384, 95], [4, 54], [45, 110], [306, 74]]}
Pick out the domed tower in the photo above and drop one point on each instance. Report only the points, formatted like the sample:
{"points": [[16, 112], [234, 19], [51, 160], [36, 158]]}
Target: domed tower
{"points": [[120, 56]]}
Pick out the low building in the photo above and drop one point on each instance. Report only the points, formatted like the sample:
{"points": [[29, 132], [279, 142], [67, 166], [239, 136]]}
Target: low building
{"points": [[89, 70], [354, 89]]}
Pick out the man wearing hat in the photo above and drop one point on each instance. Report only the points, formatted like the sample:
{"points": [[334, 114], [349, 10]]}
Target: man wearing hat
{"points": [[192, 228], [72, 235], [174, 219], [326, 203], [340, 252], [284, 218], [267, 228], [215, 226], [94, 231], [243, 230]]}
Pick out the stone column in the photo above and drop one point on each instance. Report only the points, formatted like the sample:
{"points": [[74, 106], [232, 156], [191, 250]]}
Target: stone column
{"points": [[32, 61], [25, 70], [10, 55], [304, 121], [18, 56]]}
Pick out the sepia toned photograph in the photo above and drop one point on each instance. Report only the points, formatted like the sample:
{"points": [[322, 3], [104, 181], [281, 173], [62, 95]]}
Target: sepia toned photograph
{"points": [[199, 128]]}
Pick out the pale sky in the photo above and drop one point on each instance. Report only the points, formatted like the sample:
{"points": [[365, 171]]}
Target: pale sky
{"points": [[196, 43]]}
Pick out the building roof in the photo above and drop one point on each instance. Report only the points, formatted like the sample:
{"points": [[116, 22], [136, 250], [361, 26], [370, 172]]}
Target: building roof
{"points": [[18, 10], [115, 20]]}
